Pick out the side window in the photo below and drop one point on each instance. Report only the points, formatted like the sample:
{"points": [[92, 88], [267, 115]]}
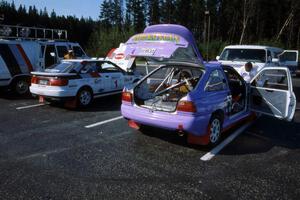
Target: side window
{"points": [[215, 82], [107, 67], [272, 79], [89, 68], [78, 52], [61, 51], [288, 56]]}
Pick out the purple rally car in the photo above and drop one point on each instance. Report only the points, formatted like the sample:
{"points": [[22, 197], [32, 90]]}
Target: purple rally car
{"points": [[182, 94]]}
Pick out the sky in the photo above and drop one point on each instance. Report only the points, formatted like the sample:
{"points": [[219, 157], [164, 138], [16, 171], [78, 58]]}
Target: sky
{"points": [[79, 8]]}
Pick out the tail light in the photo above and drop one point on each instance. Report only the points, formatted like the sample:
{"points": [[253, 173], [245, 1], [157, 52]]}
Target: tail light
{"points": [[58, 82], [186, 106], [34, 80], [126, 96]]}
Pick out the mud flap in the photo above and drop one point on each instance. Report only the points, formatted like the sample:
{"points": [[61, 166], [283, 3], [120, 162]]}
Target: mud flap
{"points": [[133, 124], [41, 99], [199, 140]]}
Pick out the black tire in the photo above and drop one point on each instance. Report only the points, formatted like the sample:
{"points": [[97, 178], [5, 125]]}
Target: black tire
{"points": [[215, 129], [84, 97], [21, 86]]}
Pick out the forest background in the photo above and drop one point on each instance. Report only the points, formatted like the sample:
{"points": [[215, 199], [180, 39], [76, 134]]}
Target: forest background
{"points": [[214, 23]]}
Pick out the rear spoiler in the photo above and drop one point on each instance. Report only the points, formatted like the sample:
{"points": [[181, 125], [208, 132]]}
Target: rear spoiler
{"points": [[53, 74]]}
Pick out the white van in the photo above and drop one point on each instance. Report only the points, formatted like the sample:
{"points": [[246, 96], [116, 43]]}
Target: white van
{"points": [[22, 53], [261, 56]]}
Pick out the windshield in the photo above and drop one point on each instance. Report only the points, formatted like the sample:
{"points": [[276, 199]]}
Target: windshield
{"points": [[65, 67], [61, 51], [183, 53], [247, 55], [78, 52]]}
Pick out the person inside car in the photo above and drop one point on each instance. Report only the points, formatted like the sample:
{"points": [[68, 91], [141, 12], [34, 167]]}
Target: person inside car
{"points": [[69, 55], [247, 72], [188, 86]]}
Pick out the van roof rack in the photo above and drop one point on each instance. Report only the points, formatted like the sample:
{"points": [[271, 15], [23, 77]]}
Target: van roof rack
{"points": [[32, 33]]}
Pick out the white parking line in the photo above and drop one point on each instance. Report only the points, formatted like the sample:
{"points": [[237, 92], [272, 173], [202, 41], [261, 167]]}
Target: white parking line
{"points": [[208, 156], [103, 122], [31, 106]]}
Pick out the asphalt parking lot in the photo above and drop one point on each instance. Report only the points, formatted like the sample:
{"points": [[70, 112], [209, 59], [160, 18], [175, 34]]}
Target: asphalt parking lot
{"points": [[46, 152]]}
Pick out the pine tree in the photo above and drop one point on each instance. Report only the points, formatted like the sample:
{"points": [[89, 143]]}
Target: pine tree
{"points": [[153, 11]]}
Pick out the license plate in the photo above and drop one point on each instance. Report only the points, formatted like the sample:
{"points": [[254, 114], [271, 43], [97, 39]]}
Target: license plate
{"points": [[43, 82]]}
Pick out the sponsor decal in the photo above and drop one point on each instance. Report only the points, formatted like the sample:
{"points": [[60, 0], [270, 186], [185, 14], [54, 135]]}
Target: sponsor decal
{"points": [[10, 60], [148, 51], [119, 56], [26, 59], [156, 37]]}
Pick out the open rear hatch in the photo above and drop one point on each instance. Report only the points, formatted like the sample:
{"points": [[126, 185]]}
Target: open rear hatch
{"points": [[160, 46], [166, 86]]}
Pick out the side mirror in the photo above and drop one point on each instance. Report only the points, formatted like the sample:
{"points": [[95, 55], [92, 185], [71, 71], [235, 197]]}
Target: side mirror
{"points": [[52, 54], [218, 58], [269, 60], [275, 60]]}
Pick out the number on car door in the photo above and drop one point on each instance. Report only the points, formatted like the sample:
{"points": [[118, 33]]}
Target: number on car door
{"points": [[115, 76], [272, 93]]}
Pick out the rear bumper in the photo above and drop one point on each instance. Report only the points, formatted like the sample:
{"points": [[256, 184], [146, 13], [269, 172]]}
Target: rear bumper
{"points": [[52, 91], [194, 124]]}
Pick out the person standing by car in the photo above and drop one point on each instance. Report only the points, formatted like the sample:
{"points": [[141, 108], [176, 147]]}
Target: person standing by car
{"points": [[247, 72]]}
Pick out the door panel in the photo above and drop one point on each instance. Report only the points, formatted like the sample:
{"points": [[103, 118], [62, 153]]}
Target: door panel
{"points": [[269, 102], [272, 93]]}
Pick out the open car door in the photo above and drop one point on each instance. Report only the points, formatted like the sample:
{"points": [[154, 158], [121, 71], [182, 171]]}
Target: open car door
{"points": [[272, 93]]}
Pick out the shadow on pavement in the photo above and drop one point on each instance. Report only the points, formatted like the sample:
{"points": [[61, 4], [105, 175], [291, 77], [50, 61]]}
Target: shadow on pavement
{"points": [[171, 137], [265, 134], [8, 95]]}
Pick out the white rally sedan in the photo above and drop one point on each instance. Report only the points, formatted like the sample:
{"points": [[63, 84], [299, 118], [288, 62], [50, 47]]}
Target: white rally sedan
{"points": [[80, 81]]}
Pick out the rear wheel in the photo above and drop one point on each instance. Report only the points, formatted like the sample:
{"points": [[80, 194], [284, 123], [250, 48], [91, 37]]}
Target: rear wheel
{"points": [[21, 86], [215, 129], [84, 97]]}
